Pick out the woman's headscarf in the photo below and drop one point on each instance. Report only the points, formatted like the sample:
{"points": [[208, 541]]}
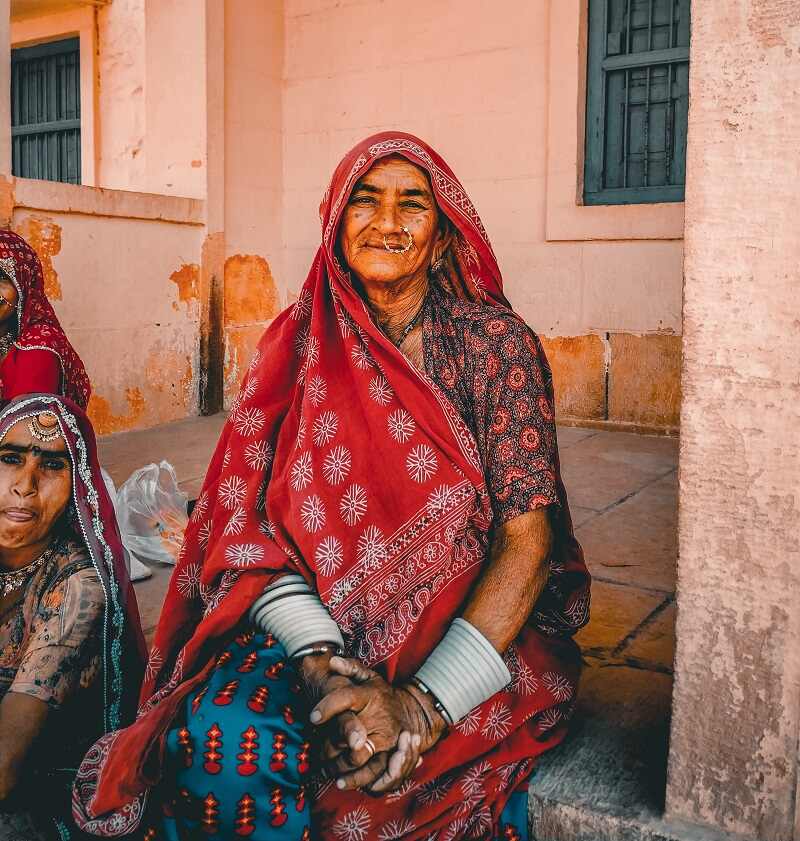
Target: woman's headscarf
{"points": [[38, 327], [93, 525], [340, 460]]}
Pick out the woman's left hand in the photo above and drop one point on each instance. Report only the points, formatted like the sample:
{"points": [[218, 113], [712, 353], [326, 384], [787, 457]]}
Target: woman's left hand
{"points": [[392, 718]]}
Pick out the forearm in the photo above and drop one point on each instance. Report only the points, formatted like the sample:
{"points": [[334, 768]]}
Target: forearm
{"points": [[21, 720], [513, 581]]}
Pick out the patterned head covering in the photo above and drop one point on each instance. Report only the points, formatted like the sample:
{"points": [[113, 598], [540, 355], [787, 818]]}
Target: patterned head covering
{"points": [[38, 326], [94, 526]]}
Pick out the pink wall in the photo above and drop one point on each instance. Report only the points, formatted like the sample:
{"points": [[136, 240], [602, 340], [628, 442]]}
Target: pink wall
{"points": [[496, 88], [142, 91], [472, 79], [122, 271]]}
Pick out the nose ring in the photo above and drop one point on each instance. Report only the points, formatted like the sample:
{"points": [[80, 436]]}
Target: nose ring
{"points": [[402, 249]]}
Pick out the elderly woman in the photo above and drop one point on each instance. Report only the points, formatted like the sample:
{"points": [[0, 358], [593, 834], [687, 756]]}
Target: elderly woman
{"points": [[388, 488], [35, 354], [70, 642]]}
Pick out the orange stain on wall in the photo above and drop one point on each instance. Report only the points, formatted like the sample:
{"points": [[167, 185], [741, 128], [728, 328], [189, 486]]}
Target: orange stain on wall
{"points": [[106, 421], [170, 373], [187, 279], [240, 343], [7, 201], [250, 291], [44, 237]]}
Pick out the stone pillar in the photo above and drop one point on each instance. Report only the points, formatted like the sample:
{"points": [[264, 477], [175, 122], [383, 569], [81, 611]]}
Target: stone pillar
{"points": [[736, 708]]}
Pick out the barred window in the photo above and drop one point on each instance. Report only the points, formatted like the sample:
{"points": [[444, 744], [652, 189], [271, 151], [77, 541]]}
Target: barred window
{"points": [[46, 111], [637, 101]]}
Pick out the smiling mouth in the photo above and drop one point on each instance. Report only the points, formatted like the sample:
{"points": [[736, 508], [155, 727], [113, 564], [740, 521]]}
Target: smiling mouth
{"points": [[19, 515]]}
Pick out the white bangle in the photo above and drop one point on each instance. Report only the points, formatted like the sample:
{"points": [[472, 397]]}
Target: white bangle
{"points": [[464, 670], [292, 612]]}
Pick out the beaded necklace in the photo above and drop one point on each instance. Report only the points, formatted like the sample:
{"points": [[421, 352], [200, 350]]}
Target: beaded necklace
{"points": [[10, 581]]}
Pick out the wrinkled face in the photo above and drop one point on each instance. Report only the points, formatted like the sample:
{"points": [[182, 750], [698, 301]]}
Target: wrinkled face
{"points": [[393, 194], [35, 485], [8, 302]]}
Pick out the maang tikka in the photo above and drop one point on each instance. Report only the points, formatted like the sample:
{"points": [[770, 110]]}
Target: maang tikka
{"points": [[44, 427]]}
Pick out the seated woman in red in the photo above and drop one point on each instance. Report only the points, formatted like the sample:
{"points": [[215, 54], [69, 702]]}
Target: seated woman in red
{"points": [[35, 354]]}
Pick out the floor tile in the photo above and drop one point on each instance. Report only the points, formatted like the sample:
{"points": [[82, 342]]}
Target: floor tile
{"points": [[636, 542], [187, 445], [569, 435], [655, 643], [616, 611]]}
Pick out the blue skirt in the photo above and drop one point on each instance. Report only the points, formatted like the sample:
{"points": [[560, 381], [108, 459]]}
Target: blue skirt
{"points": [[239, 758]]}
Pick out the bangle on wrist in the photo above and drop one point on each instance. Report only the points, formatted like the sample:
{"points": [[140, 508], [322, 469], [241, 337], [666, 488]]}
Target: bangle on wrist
{"points": [[293, 613], [463, 671], [315, 650], [419, 685]]}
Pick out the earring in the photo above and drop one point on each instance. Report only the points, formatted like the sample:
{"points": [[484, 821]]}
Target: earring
{"points": [[437, 265]]}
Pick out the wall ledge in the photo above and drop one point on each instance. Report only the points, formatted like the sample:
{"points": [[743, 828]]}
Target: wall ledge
{"points": [[55, 197]]}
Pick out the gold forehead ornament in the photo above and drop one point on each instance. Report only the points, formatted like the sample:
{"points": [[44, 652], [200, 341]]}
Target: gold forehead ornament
{"points": [[44, 427]]}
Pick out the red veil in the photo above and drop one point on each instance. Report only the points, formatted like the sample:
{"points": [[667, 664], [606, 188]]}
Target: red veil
{"points": [[341, 461], [38, 325]]}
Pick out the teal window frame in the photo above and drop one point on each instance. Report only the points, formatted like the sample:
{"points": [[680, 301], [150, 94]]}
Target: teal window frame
{"points": [[46, 111], [609, 133]]}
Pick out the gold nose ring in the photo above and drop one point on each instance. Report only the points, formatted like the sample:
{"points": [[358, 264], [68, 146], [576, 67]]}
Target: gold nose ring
{"points": [[402, 249]]}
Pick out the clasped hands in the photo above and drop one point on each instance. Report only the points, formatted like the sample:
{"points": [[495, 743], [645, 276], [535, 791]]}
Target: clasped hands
{"points": [[373, 733]]}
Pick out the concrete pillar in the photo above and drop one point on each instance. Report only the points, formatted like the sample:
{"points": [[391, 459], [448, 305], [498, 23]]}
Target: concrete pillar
{"points": [[736, 708]]}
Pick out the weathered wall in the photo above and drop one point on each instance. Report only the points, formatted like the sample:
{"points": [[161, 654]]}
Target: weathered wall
{"points": [[736, 717], [125, 288], [175, 98], [120, 78], [142, 91], [253, 182], [474, 79]]}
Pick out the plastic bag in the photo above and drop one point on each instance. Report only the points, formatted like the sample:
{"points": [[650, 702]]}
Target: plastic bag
{"points": [[151, 510], [136, 569]]}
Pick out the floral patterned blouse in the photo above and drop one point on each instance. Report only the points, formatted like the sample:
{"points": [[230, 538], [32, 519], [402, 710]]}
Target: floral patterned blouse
{"points": [[50, 649], [492, 368]]}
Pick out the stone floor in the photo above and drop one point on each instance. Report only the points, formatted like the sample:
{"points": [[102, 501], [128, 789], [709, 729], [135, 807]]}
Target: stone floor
{"points": [[623, 494]]}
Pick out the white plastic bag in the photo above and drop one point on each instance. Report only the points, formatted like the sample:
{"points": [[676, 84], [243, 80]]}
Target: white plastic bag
{"points": [[136, 569], [151, 510]]}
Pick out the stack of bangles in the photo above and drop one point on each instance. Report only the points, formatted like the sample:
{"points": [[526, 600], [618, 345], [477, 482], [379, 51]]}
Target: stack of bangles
{"points": [[463, 671]]}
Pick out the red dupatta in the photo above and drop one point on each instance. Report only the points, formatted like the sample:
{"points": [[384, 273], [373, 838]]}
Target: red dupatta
{"points": [[340, 461], [38, 327]]}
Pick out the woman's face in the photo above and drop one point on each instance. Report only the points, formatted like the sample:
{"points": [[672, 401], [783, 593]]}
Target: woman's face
{"points": [[392, 195], [8, 302], [35, 485]]}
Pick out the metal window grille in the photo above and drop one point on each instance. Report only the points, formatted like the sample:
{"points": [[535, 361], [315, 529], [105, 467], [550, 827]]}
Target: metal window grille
{"points": [[46, 111], [637, 101]]}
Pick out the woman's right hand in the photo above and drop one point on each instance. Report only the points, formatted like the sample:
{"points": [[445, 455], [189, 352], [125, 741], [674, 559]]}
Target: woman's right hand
{"points": [[344, 734]]}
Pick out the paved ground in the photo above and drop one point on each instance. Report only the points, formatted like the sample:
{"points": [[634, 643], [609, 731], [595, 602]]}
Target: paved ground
{"points": [[622, 491], [607, 780]]}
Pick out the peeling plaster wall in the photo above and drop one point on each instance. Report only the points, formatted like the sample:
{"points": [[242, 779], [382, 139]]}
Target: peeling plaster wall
{"points": [[736, 716], [175, 95], [121, 75], [253, 181], [151, 96], [472, 78], [128, 302]]}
